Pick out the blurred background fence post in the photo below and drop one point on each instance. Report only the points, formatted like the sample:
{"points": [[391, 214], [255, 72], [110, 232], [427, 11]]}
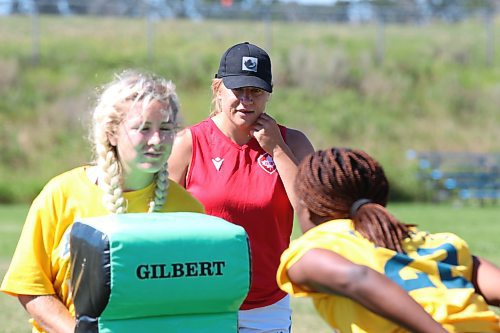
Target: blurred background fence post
{"points": [[490, 37], [380, 42], [35, 35], [150, 34]]}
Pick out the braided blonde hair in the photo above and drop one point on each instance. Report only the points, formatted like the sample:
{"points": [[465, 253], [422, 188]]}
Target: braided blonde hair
{"points": [[111, 109]]}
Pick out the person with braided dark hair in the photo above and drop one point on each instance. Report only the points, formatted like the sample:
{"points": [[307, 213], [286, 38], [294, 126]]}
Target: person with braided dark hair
{"points": [[368, 272]]}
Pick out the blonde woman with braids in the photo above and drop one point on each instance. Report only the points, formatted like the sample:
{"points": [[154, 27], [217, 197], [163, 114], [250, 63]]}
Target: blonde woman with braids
{"points": [[368, 272], [133, 130]]}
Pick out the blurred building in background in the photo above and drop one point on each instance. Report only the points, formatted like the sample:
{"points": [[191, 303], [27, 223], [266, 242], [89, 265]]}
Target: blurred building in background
{"points": [[346, 11]]}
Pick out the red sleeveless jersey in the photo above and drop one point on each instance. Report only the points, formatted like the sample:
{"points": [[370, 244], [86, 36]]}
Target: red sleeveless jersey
{"points": [[241, 185]]}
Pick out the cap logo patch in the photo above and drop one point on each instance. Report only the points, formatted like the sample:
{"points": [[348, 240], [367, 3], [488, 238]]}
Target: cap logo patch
{"points": [[249, 64], [266, 162]]}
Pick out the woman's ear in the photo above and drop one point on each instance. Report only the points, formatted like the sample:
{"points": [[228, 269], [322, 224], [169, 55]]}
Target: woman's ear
{"points": [[304, 216], [113, 141]]}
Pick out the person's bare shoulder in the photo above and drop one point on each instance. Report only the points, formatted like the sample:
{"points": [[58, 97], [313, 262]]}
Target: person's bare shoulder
{"points": [[298, 143], [180, 157], [183, 137]]}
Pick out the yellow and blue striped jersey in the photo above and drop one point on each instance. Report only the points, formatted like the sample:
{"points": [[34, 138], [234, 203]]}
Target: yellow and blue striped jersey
{"points": [[436, 271]]}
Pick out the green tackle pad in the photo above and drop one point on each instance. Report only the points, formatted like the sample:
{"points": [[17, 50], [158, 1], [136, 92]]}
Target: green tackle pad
{"points": [[158, 272]]}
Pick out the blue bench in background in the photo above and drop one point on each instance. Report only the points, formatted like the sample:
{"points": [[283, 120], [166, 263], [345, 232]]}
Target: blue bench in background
{"points": [[459, 175]]}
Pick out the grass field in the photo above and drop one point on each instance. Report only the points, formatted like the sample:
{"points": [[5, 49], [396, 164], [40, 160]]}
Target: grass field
{"points": [[480, 226], [433, 90]]}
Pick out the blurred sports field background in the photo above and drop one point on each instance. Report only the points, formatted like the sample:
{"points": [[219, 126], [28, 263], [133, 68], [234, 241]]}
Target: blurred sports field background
{"points": [[434, 90], [432, 87]]}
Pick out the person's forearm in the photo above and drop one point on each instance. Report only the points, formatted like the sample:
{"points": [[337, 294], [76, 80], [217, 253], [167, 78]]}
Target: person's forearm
{"points": [[375, 292], [286, 164], [327, 272], [49, 312], [486, 277]]}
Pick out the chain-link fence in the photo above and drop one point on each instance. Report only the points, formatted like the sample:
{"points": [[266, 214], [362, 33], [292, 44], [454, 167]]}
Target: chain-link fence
{"points": [[378, 13]]}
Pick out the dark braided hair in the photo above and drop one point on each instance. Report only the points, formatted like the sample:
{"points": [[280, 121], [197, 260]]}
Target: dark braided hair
{"points": [[330, 181]]}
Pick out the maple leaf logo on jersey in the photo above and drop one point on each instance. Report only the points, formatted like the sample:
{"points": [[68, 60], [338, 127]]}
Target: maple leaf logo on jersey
{"points": [[266, 163]]}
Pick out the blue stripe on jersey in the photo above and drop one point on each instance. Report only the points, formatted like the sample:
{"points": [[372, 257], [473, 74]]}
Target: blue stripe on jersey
{"points": [[399, 261]]}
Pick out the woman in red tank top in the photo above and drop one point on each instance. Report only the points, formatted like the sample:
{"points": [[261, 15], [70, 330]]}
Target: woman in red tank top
{"points": [[241, 165]]}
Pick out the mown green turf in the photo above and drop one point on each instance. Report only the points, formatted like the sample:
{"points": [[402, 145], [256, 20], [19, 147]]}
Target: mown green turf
{"points": [[13, 318], [479, 226]]}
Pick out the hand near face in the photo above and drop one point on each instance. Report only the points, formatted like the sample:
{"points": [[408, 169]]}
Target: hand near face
{"points": [[267, 133]]}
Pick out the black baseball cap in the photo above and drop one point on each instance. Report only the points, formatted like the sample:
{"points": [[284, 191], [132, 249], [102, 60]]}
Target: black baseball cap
{"points": [[246, 65]]}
